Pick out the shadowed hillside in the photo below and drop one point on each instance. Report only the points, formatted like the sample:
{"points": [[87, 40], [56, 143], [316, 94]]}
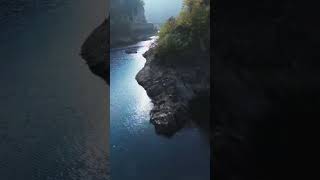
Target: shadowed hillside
{"points": [[128, 23]]}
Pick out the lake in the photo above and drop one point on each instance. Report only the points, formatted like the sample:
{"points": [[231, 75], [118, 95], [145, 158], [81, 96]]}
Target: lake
{"points": [[54, 115], [137, 152]]}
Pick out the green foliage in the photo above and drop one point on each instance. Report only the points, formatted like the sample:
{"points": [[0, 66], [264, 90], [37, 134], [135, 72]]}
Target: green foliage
{"points": [[189, 30], [173, 37]]}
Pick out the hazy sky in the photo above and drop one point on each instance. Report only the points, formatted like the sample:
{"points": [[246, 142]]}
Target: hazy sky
{"points": [[158, 11]]}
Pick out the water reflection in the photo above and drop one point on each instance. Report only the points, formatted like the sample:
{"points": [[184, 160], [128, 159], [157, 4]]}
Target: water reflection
{"points": [[142, 100], [53, 115], [140, 104], [137, 152]]}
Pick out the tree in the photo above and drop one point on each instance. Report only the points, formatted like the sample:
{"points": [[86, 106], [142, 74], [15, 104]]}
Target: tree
{"points": [[191, 29]]}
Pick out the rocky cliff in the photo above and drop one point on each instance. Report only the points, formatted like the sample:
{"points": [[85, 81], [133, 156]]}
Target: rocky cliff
{"points": [[128, 23], [176, 75], [179, 87]]}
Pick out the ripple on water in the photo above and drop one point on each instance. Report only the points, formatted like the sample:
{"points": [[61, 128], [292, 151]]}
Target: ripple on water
{"points": [[47, 131], [133, 138]]}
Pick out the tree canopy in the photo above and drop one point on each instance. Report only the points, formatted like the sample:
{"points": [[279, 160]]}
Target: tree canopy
{"points": [[191, 29]]}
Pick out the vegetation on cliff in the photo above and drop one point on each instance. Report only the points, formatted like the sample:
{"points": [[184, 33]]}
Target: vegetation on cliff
{"points": [[190, 30], [176, 75]]}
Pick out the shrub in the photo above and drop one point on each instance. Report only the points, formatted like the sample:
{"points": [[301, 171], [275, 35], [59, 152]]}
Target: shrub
{"points": [[189, 29]]}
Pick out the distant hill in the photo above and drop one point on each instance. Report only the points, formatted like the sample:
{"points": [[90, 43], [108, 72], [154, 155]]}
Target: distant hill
{"points": [[128, 23]]}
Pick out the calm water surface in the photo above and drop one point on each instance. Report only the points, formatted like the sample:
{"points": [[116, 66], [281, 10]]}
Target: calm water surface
{"points": [[136, 151], [53, 110]]}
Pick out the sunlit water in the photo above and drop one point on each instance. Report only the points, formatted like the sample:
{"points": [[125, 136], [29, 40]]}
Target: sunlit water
{"points": [[53, 110], [136, 151]]}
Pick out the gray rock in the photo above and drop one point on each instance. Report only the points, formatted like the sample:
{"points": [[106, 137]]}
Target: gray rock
{"points": [[172, 89]]}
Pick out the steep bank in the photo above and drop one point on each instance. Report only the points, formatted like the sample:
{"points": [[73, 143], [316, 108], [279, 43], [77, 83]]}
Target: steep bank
{"points": [[95, 51], [176, 75], [175, 85], [127, 26], [128, 23]]}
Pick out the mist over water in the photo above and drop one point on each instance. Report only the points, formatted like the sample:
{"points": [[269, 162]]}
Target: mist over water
{"points": [[158, 11]]}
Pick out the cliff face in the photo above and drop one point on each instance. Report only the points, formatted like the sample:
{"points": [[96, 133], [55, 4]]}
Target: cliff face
{"points": [[95, 51], [128, 23], [176, 75], [175, 89]]}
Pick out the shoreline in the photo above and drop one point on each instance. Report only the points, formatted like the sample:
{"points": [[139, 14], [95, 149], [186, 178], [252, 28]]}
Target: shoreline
{"points": [[96, 49], [130, 124], [143, 37], [175, 92]]}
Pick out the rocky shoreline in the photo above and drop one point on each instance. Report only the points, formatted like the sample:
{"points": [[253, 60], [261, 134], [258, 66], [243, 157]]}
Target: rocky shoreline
{"points": [[175, 88], [95, 50], [126, 40]]}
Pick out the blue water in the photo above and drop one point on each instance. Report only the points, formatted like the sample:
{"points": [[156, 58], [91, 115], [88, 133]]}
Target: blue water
{"points": [[53, 110], [137, 152]]}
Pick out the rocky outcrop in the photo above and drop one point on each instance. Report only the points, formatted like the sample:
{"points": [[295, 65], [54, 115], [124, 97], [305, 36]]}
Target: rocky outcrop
{"points": [[176, 75], [95, 51], [175, 87], [128, 23]]}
